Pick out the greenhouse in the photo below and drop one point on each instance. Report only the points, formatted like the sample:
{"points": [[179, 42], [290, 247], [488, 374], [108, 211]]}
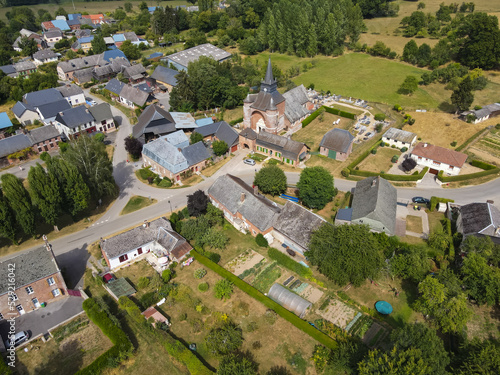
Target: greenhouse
{"points": [[289, 300]]}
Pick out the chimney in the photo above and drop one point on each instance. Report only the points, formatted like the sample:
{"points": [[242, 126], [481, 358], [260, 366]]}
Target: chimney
{"points": [[242, 198], [255, 190], [425, 144]]}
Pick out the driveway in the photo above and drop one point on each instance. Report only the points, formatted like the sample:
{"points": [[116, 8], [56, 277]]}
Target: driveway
{"points": [[164, 100], [40, 321]]}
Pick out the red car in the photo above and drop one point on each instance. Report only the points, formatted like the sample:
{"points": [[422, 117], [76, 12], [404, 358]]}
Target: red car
{"points": [[108, 277]]}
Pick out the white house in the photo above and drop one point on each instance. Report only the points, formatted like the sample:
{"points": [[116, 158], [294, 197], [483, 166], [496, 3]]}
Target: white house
{"points": [[44, 56], [399, 138], [74, 121], [483, 114], [72, 93], [24, 113], [438, 158]]}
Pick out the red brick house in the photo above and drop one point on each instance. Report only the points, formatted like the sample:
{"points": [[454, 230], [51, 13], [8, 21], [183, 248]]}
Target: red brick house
{"points": [[45, 138]]}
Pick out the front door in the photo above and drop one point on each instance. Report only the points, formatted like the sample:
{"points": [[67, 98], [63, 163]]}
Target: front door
{"points": [[332, 154], [20, 309], [35, 303], [433, 171]]}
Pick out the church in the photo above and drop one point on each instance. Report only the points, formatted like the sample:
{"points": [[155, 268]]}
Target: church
{"points": [[272, 112]]}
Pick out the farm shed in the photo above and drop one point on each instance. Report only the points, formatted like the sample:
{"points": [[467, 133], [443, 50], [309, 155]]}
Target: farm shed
{"points": [[289, 300]]}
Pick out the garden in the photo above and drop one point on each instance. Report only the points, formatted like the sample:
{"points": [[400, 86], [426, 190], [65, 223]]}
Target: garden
{"points": [[380, 161], [487, 147]]}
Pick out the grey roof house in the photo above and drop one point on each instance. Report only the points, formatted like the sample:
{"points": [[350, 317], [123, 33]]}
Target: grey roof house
{"points": [[38, 98], [399, 138], [132, 96], [13, 144], [222, 132], [25, 113], [288, 148], [114, 86], [44, 56], [134, 73], [49, 111], [42, 134], [374, 204], [336, 144], [165, 77], [479, 219], [103, 117], [153, 122], [75, 120]]}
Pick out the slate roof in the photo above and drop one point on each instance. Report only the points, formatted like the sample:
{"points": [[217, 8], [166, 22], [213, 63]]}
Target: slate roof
{"points": [[30, 266], [192, 54], [44, 54], [37, 98], [101, 112], [154, 120], [43, 133], [24, 65], [297, 223], [176, 138], [69, 90], [228, 190], [130, 35], [51, 109], [134, 70], [482, 218], [82, 32], [195, 153], [164, 153], [13, 144], [289, 148], [337, 140], [8, 69], [115, 86], [222, 131], [73, 22], [20, 107], [74, 117], [165, 75], [5, 121], [268, 96], [79, 63], [375, 198], [440, 154], [249, 133], [295, 106], [53, 33], [344, 214], [399, 135], [74, 16], [134, 95], [485, 111], [204, 121], [84, 75]]}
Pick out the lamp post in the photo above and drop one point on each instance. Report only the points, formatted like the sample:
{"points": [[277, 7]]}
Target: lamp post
{"points": [[170, 205]]}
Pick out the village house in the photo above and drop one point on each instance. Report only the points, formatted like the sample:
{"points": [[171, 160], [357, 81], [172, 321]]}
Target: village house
{"points": [[24, 113], [5, 123], [114, 86], [182, 59], [60, 24], [44, 56], [164, 78], [72, 93], [30, 35], [134, 73], [49, 111], [67, 69], [53, 36], [103, 117], [38, 280], [74, 121], [44, 138], [25, 68], [177, 139], [152, 123], [84, 44], [133, 97], [156, 237], [438, 158], [336, 144], [96, 19], [220, 131], [399, 138], [11, 145], [482, 114], [479, 219]]}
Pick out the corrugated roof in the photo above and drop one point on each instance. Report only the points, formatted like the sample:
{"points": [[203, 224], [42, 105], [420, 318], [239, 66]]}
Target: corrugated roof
{"points": [[440, 154], [337, 140], [183, 120], [204, 121], [192, 54], [5, 120], [400, 135]]}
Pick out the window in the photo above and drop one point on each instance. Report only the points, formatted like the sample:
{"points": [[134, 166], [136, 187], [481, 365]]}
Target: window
{"points": [[29, 290], [419, 158], [436, 163], [51, 281], [451, 167], [139, 251], [123, 258], [13, 297], [1, 316], [56, 292]]}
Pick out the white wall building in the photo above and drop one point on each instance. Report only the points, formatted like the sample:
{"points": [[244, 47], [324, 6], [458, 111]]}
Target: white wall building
{"points": [[399, 138], [438, 158]]}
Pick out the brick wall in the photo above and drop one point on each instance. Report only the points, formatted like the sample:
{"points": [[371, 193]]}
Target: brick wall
{"points": [[47, 145]]}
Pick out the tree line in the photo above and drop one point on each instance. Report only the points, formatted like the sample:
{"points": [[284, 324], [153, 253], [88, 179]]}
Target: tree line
{"points": [[81, 174]]}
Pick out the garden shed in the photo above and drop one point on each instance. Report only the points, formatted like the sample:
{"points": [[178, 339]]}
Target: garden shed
{"points": [[289, 300]]}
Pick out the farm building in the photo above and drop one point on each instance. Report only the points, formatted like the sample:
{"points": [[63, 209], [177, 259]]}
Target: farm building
{"points": [[483, 114], [182, 59], [479, 219], [289, 300], [438, 158], [399, 138], [336, 144]]}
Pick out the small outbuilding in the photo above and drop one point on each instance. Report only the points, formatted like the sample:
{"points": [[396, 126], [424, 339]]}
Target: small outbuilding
{"points": [[399, 138], [336, 144], [289, 300]]}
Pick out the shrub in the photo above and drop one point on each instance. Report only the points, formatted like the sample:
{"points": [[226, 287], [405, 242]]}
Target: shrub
{"points": [[261, 240], [182, 317], [289, 263], [397, 108], [374, 151], [379, 127], [144, 173], [131, 308], [395, 159], [453, 144], [166, 275], [223, 289], [273, 162], [345, 172], [468, 141], [149, 299], [166, 183], [200, 273], [237, 121], [143, 282], [466, 177], [404, 149], [379, 117], [203, 287], [382, 144], [497, 126], [256, 345]]}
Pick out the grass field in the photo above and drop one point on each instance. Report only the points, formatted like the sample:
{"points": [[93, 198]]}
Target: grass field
{"points": [[381, 161], [135, 203], [414, 224]]}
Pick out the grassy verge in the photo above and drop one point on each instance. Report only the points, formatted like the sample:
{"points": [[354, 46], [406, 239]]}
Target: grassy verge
{"points": [[135, 203], [414, 224], [209, 171], [127, 111]]}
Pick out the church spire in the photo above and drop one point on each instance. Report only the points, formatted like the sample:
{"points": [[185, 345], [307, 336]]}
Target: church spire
{"points": [[269, 73]]}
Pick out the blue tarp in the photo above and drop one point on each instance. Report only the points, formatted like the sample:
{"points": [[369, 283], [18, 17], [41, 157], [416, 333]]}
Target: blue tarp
{"points": [[383, 307], [5, 121]]}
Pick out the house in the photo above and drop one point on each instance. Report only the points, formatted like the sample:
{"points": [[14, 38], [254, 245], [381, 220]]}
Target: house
{"points": [[374, 204], [107, 70], [297, 107], [399, 138], [157, 316], [41, 43], [170, 161], [153, 122], [103, 117], [11, 145], [47, 25], [336, 144], [118, 38], [165, 78], [60, 24], [53, 36], [109, 41], [156, 236], [182, 59], [75, 120], [72, 93], [114, 86], [37, 98], [220, 131], [281, 148], [483, 114], [9, 70], [74, 24], [25, 113], [131, 96], [44, 56], [66, 69], [130, 35], [49, 111], [74, 16], [82, 33], [83, 76], [177, 139], [84, 44], [25, 68], [96, 19], [44, 138], [38, 279], [4, 121], [134, 73], [438, 158], [479, 219]]}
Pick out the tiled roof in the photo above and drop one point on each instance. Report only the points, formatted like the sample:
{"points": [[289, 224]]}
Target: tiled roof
{"points": [[400, 135], [440, 154], [337, 140]]}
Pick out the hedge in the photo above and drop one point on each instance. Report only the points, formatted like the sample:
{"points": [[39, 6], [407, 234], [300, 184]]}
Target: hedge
{"points": [[436, 200], [132, 309], [122, 346], [392, 177], [280, 310], [482, 165], [311, 117], [333, 111], [361, 157], [237, 121], [289, 263], [466, 177], [468, 141]]}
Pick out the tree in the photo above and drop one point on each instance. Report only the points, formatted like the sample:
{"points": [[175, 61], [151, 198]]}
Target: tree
{"points": [[345, 253], [130, 50], [407, 361], [483, 246], [133, 146], [214, 238], [224, 340], [223, 289], [28, 46], [410, 52], [61, 12], [119, 14], [7, 220], [197, 203], [481, 280], [316, 187], [463, 97], [143, 5], [195, 138], [481, 357], [219, 148], [411, 263], [98, 44], [19, 200], [92, 160], [128, 7], [408, 164], [237, 365], [271, 180], [409, 86], [45, 194]]}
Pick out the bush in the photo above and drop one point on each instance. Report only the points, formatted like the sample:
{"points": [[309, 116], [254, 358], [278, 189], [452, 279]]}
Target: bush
{"points": [[132, 309], [397, 108], [404, 149], [395, 159], [166, 183], [223, 289], [143, 283], [289, 263], [379, 117], [345, 172], [203, 287], [453, 144], [497, 126], [466, 177], [166, 275], [237, 121], [273, 162], [374, 151], [149, 299], [182, 317], [144, 173], [261, 240], [200, 273]]}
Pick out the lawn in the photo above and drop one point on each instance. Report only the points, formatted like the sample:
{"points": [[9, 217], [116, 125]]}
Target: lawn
{"points": [[313, 133], [414, 224], [233, 114], [209, 171], [381, 161], [135, 203], [435, 220]]}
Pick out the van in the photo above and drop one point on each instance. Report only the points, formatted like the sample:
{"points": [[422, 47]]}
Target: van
{"points": [[19, 338]]}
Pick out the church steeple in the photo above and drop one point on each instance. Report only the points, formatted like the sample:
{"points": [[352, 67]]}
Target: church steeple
{"points": [[269, 84]]}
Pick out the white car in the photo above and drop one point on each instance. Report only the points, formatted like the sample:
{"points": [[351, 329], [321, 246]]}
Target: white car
{"points": [[249, 161]]}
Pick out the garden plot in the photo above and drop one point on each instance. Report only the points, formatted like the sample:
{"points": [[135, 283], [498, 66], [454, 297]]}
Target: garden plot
{"points": [[487, 148], [246, 261], [374, 335], [311, 294], [338, 313]]}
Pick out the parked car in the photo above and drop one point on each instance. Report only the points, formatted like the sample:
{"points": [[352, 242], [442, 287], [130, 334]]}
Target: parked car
{"points": [[18, 339], [90, 102], [362, 131], [108, 278], [368, 134], [420, 200], [249, 161], [290, 252]]}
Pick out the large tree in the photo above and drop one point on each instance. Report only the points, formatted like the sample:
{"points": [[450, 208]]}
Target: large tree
{"points": [[411, 262], [345, 253], [7, 220], [98, 44], [271, 180], [394, 362], [409, 85], [237, 365], [20, 202], [481, 357], [225, 339], [481, 280], [219, 148], [133, 146], [316, 187], [463, 97], [197, 203]]}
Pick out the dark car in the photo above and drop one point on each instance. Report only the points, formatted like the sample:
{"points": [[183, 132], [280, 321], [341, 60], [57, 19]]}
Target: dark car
{"points": [[290, 252], [420, 200]]}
